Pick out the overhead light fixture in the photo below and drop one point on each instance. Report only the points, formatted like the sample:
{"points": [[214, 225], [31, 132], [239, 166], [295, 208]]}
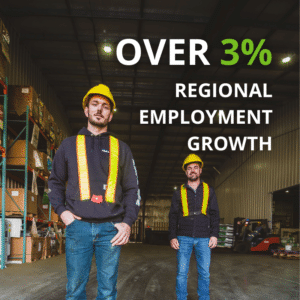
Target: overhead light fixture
{"points": [[175, 187], [287, 191], [107, 49], [286, 59]]}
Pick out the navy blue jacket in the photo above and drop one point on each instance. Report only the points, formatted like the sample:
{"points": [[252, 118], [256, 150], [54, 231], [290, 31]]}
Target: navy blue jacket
{"points": [[199, 225], [65, 170]]}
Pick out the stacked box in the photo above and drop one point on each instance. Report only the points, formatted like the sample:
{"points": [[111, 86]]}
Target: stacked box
{"points": [[4, 53], [5, 41], [52, 128], [17, 195], [20, 97], [226, 237], [41, 114], [46, 123], [34, 248], [3, 67], [44, 211], [16, 155], [45, 162]]}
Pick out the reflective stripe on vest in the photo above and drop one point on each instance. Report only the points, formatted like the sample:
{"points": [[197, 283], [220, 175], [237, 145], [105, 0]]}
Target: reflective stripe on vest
{"points": [[184, 200], [205, 198], [113, 169], [83, 173]]}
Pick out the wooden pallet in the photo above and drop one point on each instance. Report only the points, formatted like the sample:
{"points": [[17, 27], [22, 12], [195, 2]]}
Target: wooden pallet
{"points": [[286, 254], [13, 214]]}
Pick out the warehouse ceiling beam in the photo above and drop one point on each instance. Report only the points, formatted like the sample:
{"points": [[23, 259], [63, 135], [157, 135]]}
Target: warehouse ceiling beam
{"points": [[67, 2], [157, 16]]}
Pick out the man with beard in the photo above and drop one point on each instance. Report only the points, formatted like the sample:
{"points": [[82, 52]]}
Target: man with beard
{"points": [[101, 200], [193, 225]]}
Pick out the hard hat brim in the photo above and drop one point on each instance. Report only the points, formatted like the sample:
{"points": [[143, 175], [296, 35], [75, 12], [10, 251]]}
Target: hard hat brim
{"points": [[88, 97]]}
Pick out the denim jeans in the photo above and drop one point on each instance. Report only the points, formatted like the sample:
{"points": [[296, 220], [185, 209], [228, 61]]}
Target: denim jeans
{"points": [[202, 253], [82, 240]]}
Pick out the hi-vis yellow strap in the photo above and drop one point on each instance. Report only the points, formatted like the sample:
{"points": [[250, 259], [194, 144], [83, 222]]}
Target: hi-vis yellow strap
{"points": [[205, 198], [83, 172], [113, 169], [184, 200]]}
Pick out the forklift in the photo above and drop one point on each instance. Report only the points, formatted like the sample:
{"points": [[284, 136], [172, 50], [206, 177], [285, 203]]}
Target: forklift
{"points": [[254, 235]]}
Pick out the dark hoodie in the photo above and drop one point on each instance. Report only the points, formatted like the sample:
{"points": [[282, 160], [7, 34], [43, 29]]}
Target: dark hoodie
{"points": [[65, 171], [199, 225]]}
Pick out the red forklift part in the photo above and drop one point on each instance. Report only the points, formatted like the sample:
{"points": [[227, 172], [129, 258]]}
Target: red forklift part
{"points": [[264, 245]]}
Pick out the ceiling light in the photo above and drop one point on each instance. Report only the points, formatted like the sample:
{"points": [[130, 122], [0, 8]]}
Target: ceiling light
{"points": [[107, 49], [287, 191], [175, 188], [286, 59]]}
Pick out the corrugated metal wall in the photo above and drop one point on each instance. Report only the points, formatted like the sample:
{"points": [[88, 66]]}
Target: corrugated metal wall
{"points": [[23, 71], [244, 187]]}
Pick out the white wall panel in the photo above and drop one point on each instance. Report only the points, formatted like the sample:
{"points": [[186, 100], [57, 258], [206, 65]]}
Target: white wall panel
{"points": [[244, 187]]}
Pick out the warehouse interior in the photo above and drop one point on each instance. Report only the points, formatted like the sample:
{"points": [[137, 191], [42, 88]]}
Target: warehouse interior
{"points": [[56, 51]]}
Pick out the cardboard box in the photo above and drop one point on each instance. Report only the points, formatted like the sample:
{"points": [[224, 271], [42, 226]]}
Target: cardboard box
{"points": [[41, 113], [34, 248], [3, 67], [46, 123], [21, 96], [16, 155], [49, 123], [53, 132], [45, 162], [42, 212], [38, 159], [5, 41], [35, 136], [18, 195]]}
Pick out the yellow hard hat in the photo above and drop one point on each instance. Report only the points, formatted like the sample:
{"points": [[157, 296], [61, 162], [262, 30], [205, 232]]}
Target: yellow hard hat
{"points": [[100, 89], [192, 158]]}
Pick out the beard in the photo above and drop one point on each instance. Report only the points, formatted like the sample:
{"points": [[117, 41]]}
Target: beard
{"points": [[193, 177], [99, 123]]}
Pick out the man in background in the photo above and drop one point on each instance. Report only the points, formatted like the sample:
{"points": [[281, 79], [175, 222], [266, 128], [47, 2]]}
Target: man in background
{"points": [[193, 225]]}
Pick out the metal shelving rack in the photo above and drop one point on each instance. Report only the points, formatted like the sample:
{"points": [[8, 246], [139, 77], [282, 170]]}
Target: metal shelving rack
{"points": [[24, 213], [24, 169], [3, 165]]}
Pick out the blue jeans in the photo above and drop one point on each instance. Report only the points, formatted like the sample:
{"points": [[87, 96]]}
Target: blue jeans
{"points": [[82, 240], [202, 253]]}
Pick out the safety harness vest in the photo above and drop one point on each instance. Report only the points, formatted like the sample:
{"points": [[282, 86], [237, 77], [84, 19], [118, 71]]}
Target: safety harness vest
{"points": [[83, 172], [184, 200]]}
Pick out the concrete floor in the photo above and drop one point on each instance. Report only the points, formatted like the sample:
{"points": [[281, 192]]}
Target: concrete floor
{"points": [[148, 272]]}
